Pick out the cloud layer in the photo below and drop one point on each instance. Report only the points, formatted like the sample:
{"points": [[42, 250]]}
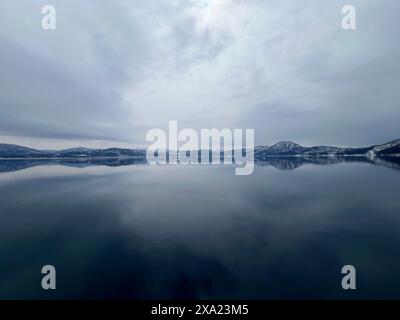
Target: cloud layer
{"points": [[113, 70]]}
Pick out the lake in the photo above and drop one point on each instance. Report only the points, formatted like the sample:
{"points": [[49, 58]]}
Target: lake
{"points": [[199, 232]]}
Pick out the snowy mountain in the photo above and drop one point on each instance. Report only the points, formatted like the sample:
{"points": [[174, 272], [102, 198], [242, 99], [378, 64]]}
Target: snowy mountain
{"points": [[288, 148], [11, 150], [280, 149], [391, 148], [101, 153], [14, 151], [285, 148], [321, 150]]}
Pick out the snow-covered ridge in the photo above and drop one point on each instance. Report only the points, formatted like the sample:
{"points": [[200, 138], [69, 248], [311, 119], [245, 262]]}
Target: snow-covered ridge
{"points": [[288, 148], [282, 148], [391, 148], [14, 151]]}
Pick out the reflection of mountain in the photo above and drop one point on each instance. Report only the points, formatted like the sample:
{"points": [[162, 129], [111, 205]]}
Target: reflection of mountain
{"points": [[285, 155], [283, 148], [291, 163], [281, 162], [14, 165]]}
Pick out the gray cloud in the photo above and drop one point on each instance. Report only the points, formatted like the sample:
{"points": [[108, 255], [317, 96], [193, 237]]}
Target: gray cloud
{"points": [[113, 70]]}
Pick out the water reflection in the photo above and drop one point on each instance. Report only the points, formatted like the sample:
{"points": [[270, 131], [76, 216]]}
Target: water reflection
{"points": [[281, 163], [140, 231]]}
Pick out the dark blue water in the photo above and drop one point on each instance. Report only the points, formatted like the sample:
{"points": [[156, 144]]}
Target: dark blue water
{"points": [[145, 232]]}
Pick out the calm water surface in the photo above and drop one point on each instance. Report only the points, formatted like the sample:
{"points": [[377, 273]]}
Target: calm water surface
{"points": [[145, 232]]}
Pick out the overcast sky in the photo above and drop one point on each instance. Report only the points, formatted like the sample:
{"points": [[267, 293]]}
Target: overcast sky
{"points": [[114, 69]]}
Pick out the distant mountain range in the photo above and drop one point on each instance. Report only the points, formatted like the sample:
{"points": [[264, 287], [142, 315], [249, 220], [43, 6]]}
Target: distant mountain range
{"points": [[280, 149], [288, 148], [13, 151]]}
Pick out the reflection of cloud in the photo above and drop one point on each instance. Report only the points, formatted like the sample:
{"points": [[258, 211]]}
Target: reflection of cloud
{"points": [[273, 234]]}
